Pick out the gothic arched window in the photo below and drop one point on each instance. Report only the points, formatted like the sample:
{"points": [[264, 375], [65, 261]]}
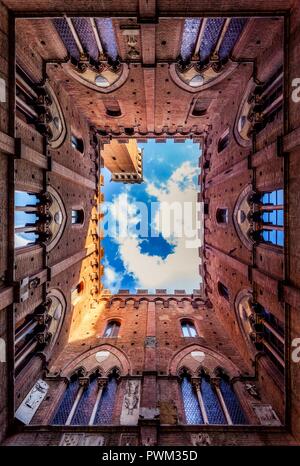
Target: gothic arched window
{"points": [[265, 331], [209, 400], [112, 329], [88, 400], [231, 401], [104, 413], [39, 217], [188, 328]]}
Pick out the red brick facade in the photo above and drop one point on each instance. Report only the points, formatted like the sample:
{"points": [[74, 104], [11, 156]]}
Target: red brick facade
{"points": [[154, 102]]}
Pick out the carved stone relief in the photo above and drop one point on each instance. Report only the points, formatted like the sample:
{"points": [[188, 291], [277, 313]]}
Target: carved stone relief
{"points": [[131, 403], [266, 415], [201, 440], [32, 401]]}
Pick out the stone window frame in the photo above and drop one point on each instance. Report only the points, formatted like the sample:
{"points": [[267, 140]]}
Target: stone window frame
{"points": [[192, 321]]}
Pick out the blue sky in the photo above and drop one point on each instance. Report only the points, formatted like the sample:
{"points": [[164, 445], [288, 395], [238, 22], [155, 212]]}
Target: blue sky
{"points": [[133, 257]]}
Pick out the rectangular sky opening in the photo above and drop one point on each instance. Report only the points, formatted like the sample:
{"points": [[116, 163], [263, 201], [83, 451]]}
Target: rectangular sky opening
{"points": [[153, 229]]}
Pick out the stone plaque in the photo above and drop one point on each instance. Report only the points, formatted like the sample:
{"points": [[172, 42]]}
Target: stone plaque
{"points": [[2, 350], [131, 403], [32, 401], [266, 415]]}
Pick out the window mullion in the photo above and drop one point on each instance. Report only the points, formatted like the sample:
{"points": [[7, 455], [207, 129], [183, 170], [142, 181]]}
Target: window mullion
{"points": [[197, 386], [216, 383]]}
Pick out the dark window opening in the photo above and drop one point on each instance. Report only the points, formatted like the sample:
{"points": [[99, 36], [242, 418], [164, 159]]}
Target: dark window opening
{"points": [[77, 143], [223, 291]]}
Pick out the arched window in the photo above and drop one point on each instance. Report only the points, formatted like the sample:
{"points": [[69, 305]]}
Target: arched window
{"points": [[84, 409], [77, 216], [223, 291], [39, 218], [77, 143], [88, 400], [223, 141], [190, 402], [210, 400], [112, 329], [188, 328], [28, 219], [222, 215]]}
